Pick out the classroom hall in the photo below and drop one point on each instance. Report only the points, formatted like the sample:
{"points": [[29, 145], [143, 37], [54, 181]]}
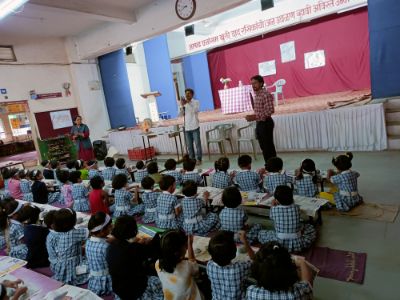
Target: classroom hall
{"points": [[94, 88]]}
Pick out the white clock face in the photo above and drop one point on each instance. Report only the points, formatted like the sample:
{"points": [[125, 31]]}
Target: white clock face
{"points": [[185, 9]]}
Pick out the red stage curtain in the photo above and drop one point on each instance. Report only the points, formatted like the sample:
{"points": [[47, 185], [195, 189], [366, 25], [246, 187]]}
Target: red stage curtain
{"points": [[344, 38]]}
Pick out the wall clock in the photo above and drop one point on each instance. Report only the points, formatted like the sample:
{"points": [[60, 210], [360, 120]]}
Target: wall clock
{"points": [[185, 9]]}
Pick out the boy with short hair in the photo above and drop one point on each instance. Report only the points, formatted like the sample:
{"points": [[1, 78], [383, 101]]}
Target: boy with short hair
{"points": [[247, 179]]}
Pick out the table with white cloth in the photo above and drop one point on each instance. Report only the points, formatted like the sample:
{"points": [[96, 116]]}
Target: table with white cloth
{"points": [[235, 100], [360, 128]]}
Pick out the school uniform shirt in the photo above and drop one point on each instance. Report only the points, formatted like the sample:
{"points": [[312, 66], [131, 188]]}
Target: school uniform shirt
{"points": [[140, 174], [289, 231], [18, 248], [192, 175], [93, 173], [51, 247], [149, 199], [108, 173], [306, 186], [80, 196], [48, 173], [166, 205], [176, 174], [123, 204], [35, 239], [68, 255], [347, 197], [248, 181], [196, 221], [301, 290], [124, 171], [221, 180], [180, 284], [66, 195], [14, 188], [25, 186], [228, 282], [129, 273], [100, 281], [96, 202], [272, 180]]}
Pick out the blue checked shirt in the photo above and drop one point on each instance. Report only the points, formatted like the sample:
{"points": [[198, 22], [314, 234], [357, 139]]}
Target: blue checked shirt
{"points": [[51, 246], [221, 180], [25, 186], [192, 175], [301, 291], [232, 219], [166, 205], [16, 233], [286, 218], [149, 198], [124, 171], [108, 173], [176, 174], [346, 183], [123, 199], [93, 173], [228, 282], [191, 207], [306, 187], [140, 174], [248, 180], [272, 180]]}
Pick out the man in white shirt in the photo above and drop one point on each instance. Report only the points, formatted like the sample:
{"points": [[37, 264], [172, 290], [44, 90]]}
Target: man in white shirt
{"points": [[190, 108]]}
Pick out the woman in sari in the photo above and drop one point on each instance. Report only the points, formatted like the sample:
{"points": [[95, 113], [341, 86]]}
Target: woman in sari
{"points": [[80, 135]]}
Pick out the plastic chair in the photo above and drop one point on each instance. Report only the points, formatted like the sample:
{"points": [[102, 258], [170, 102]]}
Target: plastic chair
{"points": [[224, 133], [278, 90], [248, 139]]}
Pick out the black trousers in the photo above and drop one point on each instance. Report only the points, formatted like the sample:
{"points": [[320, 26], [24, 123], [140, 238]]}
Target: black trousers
{"points": [[265, 136]]}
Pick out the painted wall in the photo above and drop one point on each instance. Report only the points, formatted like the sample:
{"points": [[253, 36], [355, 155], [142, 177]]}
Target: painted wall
{"points": [[117, 93], [160, 74], [197, 77], [384, 28]]}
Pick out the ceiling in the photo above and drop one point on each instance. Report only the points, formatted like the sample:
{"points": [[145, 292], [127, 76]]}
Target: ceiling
{"points": [[60, 18]]}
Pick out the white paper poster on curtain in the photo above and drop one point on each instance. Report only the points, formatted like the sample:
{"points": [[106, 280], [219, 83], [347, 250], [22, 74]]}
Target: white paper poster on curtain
{"points": [[267, 68], [288, 52], [61, 119], [314, 59]]}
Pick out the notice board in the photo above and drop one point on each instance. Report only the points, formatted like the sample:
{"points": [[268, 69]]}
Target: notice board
{"points": [[45, 126]]}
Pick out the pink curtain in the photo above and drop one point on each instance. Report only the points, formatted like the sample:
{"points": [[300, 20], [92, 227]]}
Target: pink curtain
{"points": [[344, 38]]}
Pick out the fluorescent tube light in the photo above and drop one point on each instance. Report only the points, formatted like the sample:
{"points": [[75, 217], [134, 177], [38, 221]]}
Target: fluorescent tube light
{"points": [[9, 6]]}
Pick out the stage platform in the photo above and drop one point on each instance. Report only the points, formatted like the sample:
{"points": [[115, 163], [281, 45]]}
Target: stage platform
{"points": [[301, 124]]}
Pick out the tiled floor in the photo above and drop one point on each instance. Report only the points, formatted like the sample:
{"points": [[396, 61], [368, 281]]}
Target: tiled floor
{"points": [[378, 183]]}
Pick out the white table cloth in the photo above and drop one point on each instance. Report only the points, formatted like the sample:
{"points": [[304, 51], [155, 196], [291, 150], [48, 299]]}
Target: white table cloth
{"points": [[235, 100], [345, 129]]}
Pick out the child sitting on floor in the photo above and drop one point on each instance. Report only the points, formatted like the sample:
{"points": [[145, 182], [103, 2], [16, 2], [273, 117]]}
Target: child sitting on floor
{"points": [[233, 217], [196, 220], [125, 202], [55, 166], [248, 180], [278, 276], [289, 231], [93, 169], [13, 210], [168, 208], [109, 172], [71, 165], [25, 185], [347, 196], [149, 198], [68, 248], [98, 198], [190, 173], [47, 171], [307, 178], [170, 167], [227, 277], [152, 170], [40, 191], [122, 169], [176, 273], [141, 171], [66, 188], [80, 193], [6, 175], [100, 226], [14, 185], [276, 175], [221, 179], [81, 166]]}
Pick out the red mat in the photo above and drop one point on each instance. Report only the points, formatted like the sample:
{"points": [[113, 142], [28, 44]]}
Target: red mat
{"points": [[338, 264]]}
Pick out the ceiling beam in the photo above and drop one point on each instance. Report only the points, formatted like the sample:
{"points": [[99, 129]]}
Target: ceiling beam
{"points": [[104, 13]]}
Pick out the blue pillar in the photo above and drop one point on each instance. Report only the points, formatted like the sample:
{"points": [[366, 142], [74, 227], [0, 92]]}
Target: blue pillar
{"points": [[384, 31], [197, 77], [114, 77], [160, 74]]}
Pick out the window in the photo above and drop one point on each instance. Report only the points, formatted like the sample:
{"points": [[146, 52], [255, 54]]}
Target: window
{"points": [[19, 124]]}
